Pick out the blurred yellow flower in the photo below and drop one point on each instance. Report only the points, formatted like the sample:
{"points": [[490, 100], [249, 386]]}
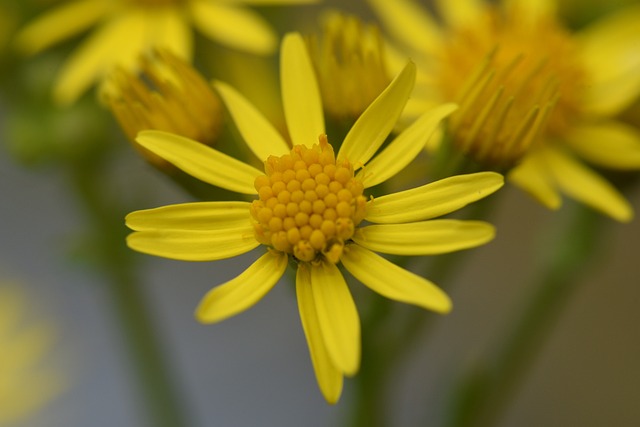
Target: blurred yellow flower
{"points": [[349, 60], [309, 211], [25, 384], [533, 95], [127, 28], [170, 95]]}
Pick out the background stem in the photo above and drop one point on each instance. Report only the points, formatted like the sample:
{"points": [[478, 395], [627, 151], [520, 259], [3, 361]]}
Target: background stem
{"points": [[115, 262], [483, 395]]}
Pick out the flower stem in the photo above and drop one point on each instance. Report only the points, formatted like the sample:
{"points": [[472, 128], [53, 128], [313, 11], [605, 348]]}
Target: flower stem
{"points": [[115, 263], [484, 394]]}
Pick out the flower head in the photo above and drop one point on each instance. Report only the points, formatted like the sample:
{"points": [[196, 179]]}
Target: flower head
{"points": [[349, 60], [127, 28], [311, 210], [176, 99], [532, 93], [25, 386]]}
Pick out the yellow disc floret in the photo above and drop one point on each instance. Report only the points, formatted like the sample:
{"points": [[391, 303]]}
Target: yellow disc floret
{"points": [[309, 205]]}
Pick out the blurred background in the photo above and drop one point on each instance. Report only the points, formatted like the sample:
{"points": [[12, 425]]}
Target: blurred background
{"points": [[254, 369]]}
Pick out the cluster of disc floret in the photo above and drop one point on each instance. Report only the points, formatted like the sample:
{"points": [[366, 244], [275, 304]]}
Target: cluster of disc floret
{"points": [[309, 205]]}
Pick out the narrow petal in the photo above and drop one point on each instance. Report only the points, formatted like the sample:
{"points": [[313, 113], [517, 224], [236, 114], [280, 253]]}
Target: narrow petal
{"points": [[434, 199], [242, 292], [300, 93], [337, 316], [405, 147], [191, 216], [119, 41], [261, 137], [233, 26], [438, 236], [378, 120], [328, 376], [194, 245], [63, 22], [201, 161], [409, 23], [610, 144], [393, 282], [533, 176], [460, 13], [606, 97], [171, 30], [584, 185], [609, 50]]}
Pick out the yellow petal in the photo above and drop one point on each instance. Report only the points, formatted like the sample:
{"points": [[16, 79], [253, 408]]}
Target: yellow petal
{"points": [[609, 50], [608, 97], [243, 291], [117, 42], [328, 376], [434, 199], [261, 137], [610, 144], [337, 316], [393, 282], [194, 245], [201, 161], [530, 13], [586, 186], [378, 120], [409, 23], [405, 147], [433, 237], [191, 216], [460, 13], [234, 26], [533, 176], [63, 22], [171, 30], [300, 93]]}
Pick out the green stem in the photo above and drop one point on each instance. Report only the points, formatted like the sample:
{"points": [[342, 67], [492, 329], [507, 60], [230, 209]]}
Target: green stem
{"points": [[115, 262], [484, 394], [390, 331]]}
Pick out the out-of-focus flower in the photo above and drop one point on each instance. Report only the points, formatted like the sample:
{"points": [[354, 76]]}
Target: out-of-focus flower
{"points": [[350, 64], [127, 28], [26, 384], [309, 211], [532, 94], [170, 95]]}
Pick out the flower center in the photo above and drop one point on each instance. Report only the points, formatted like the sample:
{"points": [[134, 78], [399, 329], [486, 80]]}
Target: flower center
{"points": [[309, 205], [514, 81]]}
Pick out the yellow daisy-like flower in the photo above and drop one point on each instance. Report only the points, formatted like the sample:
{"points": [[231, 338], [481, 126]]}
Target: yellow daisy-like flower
{"points": [[127, 28], [25, 386], [310, 209], [534, 97]]}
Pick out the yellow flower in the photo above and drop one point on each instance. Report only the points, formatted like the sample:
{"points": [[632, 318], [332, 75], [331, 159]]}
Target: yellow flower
{"points": [[311, 209], [533, 96], [127, 28], [25, 386], [349, 60], [170, 95]]}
